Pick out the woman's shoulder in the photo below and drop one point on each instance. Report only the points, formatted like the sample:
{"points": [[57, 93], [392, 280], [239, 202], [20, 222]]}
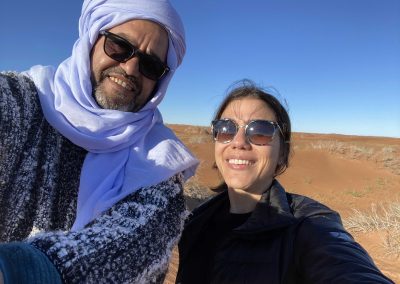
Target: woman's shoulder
{"points": [[304, 207], [317, 223], [206, 210], [210, 203]]}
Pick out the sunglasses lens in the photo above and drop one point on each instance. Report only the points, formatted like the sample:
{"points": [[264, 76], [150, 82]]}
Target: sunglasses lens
{"points": [[151, 67], [121, 50], [117, 48], [224, 131], [260, 132]]}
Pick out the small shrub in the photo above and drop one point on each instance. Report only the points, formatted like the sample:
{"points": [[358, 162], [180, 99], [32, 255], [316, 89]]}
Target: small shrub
{"points": [[355, 193], [380, 218], [386, 156], [194, 189], [199, 139]]}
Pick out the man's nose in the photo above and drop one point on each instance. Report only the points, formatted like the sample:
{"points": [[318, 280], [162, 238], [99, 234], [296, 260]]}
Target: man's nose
{"points": [[131, 67]]}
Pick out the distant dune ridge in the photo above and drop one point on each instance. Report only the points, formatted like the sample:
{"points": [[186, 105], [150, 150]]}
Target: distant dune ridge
{"points": [[357, 176]]}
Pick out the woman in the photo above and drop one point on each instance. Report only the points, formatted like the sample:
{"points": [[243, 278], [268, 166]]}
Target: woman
{"points": [[255, 232]]}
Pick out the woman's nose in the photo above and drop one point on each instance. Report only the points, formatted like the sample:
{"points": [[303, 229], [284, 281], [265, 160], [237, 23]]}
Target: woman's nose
{"points": [[240, 139]]}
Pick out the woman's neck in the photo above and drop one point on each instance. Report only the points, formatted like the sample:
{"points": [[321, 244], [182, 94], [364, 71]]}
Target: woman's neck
{"points": [[242, 201], [245, 201]]}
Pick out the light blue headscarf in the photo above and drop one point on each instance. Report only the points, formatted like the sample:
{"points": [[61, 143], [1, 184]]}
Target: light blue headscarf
{"points": [[126, 150]]}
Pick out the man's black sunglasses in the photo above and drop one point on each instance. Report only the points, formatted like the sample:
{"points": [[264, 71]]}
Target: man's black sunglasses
{"points": [[122, 50]]}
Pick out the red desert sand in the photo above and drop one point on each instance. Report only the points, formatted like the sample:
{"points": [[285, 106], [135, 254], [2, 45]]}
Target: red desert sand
{"points": [[357, 176]]}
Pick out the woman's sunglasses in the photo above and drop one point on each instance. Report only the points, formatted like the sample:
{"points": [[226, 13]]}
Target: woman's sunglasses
{"points": [[258, 132], [122, 50]]}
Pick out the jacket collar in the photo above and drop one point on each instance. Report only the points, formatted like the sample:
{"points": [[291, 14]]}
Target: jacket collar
{"points": [[272, 212]]}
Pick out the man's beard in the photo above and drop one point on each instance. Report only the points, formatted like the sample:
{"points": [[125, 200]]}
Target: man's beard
{"points": [[117, 101]]}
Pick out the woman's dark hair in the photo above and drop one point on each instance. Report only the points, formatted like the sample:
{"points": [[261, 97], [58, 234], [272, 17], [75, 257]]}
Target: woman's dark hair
{"points": [[248, 89]]}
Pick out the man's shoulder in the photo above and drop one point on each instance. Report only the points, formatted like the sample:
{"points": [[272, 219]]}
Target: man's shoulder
{"points": [[13, 78], [20, 110], [17, 92]]}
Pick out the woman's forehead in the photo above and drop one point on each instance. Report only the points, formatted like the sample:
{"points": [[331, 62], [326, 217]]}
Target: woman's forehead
{"points": [[246, 109]]}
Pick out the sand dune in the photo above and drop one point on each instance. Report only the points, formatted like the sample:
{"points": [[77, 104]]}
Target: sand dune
{"points": [[343, 172]]}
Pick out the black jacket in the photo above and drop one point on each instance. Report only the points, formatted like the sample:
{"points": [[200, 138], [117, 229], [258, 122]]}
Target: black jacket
{"points": [[288, 238]]}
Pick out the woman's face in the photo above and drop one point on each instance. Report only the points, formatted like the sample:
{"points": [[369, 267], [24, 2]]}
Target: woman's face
{"points": [[243, 165]]}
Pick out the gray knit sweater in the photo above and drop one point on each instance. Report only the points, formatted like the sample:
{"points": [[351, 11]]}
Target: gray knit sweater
{"points": [[39, 179]]}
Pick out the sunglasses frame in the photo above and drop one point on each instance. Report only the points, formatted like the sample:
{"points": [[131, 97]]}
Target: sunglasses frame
{"points": [[248, 137], [134, 52]]}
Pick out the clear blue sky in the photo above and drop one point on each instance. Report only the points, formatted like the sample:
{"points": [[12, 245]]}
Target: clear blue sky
{"points": [[335, 62]]}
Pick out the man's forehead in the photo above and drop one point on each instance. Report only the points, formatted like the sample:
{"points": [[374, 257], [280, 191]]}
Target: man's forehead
{"points": [[140, 22]]}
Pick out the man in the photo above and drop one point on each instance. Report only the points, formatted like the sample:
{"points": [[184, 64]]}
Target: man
{"points": [[90, 178]]}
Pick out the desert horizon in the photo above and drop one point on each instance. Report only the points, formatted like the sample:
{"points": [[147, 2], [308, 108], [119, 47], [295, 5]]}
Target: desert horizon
{"points": [[185, 125], [357, 176]]}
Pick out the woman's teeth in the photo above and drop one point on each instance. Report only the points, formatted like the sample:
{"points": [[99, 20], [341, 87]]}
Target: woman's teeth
{"points": [[239, 162]]}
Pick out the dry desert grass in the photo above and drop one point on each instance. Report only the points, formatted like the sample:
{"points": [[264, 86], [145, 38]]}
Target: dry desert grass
{"points": [[383, 218], [357, 176]]}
